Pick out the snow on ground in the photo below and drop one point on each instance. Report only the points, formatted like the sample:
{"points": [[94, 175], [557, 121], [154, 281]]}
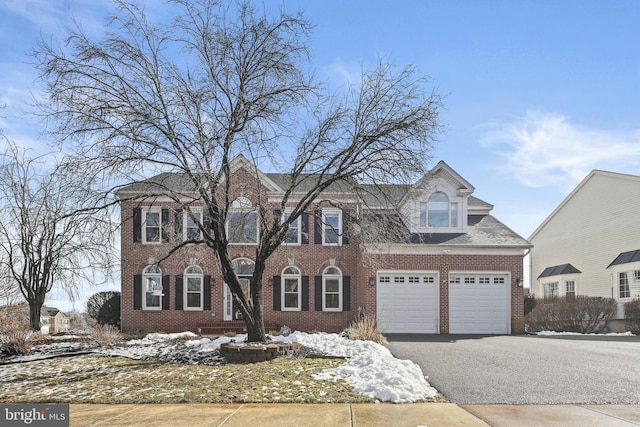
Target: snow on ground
{"points": [[611, 334], [370, 368]]}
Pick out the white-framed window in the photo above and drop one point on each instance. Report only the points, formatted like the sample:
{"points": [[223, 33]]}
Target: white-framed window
{"points": [[152, 288], [193, 288], [152, 225], [498, 280], [332, 289], [291, 289], [242, 223], [623, 281], [191, 230], [438, 212], [294, 233], [570, 288], [331, 227], [550, 290]]}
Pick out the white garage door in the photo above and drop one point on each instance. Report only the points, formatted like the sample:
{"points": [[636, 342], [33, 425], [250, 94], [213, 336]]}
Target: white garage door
{"points": [[479, 304], [408, 303]]}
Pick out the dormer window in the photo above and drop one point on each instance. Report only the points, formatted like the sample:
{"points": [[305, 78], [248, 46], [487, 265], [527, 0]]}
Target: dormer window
{"points": [[438, 212]]}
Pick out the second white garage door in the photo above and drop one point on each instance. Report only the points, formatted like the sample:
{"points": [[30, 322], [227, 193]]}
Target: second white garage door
{"points": [[408, 303], [479, 304]]}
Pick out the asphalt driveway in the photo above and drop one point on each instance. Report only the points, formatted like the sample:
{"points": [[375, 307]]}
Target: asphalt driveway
{"points": [[526, 369]]}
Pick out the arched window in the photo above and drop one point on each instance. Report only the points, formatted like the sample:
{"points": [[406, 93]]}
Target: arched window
{"points": [[332, 289], [291, 289], [194, 288], [152, 289], [438, 212]]}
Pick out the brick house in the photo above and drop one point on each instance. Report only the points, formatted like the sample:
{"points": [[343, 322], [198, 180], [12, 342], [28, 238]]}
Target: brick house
{"points": [[425, 258]]}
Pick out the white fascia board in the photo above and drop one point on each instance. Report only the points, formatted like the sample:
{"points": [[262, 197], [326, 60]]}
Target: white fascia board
{"points": [[415, 249]]}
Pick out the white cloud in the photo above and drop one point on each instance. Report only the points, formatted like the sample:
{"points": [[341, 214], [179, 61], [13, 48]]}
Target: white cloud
{"points": [[545, 149]]}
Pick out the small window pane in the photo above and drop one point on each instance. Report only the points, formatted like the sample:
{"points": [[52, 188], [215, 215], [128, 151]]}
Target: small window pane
{"points": [[332, 285], [291, 300], [332, 300], [194, 284], [291, 270], [332, 228], [291, 285], [193, 300]]}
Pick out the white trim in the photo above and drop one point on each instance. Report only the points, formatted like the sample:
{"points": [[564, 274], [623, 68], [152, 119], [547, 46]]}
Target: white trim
{"points": [[143, 223], [332, 211], [185, 216], [417, 249], [146, 275], [340, 289], [299, 221], [185, 290], [283, 278]]}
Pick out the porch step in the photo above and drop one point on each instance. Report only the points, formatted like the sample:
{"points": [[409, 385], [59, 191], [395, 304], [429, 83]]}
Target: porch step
{"points": [[235, 326]]}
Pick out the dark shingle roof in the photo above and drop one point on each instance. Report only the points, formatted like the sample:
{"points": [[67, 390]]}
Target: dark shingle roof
{"points": [[557, 270], [482, 230], [626, 257]]}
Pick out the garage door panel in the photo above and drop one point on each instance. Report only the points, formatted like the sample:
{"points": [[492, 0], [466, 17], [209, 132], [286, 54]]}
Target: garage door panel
{"points": [[479, 308], [407, 307]]}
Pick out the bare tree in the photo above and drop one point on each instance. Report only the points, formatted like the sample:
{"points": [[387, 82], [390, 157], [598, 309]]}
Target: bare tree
{"points": [[48, 234], [190, 95]]}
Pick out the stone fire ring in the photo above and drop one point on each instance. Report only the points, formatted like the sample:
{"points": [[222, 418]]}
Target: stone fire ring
{"points": [[244, 352]]}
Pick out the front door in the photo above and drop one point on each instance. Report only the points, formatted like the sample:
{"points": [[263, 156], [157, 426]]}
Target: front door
{"points": [[230, 311]]}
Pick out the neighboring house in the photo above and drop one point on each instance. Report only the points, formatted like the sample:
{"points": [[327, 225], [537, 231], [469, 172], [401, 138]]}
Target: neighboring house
{"points": [[53, 321], [589, 244], [424, 258]]}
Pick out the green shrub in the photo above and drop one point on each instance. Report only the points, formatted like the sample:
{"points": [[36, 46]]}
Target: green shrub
{"points": [[578, 314], [632, 315]]}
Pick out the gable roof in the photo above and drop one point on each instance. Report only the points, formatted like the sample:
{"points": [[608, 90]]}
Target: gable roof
{"points": [[558, 270], [591, 175], [626, 258]]}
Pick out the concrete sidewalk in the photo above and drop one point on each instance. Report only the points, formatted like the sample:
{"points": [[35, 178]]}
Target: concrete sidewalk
{"points": [[356, 415]]}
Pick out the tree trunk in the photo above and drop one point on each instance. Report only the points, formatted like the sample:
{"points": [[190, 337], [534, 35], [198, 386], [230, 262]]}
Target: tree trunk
{"points": [[34, 315], [255, 325]]}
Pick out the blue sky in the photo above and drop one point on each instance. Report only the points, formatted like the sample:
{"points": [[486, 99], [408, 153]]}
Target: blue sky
{"points": [[536, 93]]}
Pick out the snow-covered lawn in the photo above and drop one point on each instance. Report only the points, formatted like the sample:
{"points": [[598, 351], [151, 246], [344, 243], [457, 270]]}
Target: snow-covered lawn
{"points": [[369, 368]]}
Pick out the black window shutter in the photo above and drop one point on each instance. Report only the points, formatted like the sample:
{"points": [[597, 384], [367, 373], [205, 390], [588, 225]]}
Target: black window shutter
{"points": [[137, 292], [165, 291], [317, 227], [177, 221], [277, 215], [137, 225], [346, 224], [179, 293], [207, 293], [318, 292], [304, 224], [346, 293], [277, 293], [206, 220], [305, 293], [165, 225]]}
